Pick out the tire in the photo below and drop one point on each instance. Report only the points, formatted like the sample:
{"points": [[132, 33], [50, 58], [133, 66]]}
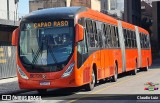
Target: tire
{"points": [[134, 72], [115, 76], [102, 81], [90, 86], [145, 68], [42, 91]]}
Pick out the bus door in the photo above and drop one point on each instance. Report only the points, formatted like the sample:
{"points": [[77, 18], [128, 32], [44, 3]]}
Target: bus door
{"points": [[101, 50], [82, 53]]}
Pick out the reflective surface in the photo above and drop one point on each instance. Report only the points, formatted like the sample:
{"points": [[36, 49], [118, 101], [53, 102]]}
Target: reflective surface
{"points": [[46, 45]]}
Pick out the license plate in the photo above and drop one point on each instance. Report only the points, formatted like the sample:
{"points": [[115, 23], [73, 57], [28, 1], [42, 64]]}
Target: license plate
{"points": [[45, 83]]}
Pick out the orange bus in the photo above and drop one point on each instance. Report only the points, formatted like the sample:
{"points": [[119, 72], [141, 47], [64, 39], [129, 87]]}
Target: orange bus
{"points": [[76, 46]]}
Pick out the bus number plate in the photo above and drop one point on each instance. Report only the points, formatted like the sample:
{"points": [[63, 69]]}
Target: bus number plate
{"points": [[45, 83]]}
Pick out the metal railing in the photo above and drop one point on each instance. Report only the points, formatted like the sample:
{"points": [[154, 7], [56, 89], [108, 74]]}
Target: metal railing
{"points": [[7, 61]]}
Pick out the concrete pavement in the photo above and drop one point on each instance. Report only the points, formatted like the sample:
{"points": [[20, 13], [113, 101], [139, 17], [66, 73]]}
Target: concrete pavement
{"points": [[9, 86]]}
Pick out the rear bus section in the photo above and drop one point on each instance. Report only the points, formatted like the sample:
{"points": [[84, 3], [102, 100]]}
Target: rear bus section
{"points": [[146, 59]]}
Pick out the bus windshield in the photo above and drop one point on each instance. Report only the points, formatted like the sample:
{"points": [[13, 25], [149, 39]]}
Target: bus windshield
{"points": [[45, 45]]}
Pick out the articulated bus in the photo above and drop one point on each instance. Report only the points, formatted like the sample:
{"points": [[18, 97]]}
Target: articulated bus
{"points": [[76, 46]]}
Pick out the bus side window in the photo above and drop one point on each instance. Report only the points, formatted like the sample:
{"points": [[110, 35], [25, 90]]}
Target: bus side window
{"points": [[90, 32], [112, 36], [148, 42], [130, 38], [125, 36], [81, 21], [94, 27], [117, 36], [107, 36], [133, 39], [82, 50], [141, 40]]}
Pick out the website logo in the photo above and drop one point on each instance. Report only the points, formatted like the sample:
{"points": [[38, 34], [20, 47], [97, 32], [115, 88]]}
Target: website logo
{"points": [[6, 97], [150, 86]]}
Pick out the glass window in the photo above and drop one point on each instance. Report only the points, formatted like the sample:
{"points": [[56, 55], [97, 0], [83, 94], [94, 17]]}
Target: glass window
{"points": [[45, 45]]}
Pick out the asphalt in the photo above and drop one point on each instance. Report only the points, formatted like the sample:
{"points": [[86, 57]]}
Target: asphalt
{"points": [[9, 86]]}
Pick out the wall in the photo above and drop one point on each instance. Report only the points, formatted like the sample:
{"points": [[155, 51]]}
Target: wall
{"points": [[41, 4], [12, 10], [96, 5], [132, 11], [155, 37], [33, 5]]}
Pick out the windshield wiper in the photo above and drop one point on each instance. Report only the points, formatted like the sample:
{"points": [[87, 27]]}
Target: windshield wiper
{"points": [[53, 57], [40, 51], [52, 54], [37, 54]]}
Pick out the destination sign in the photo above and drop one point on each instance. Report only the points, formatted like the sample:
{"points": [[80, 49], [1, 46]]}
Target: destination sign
{"points": [[51, 24]]}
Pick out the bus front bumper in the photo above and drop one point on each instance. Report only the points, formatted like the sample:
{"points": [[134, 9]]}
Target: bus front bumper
{"points": [[47, 84]]}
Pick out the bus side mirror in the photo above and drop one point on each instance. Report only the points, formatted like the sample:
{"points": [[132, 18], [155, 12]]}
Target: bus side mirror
{"points": [[79, 33], [15, 37]]}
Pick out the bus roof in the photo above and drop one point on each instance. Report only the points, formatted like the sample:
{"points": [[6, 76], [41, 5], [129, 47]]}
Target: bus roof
{"points": [[56, 13], [70, 13]]}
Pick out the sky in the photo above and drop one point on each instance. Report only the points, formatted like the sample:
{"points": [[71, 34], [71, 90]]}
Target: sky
{"points": [[23, 7]]}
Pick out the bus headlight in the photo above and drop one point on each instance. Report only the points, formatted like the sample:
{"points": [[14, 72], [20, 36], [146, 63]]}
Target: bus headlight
{"points": [[23, 75], [68, 71]]}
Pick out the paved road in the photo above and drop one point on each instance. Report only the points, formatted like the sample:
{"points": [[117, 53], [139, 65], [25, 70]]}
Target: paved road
{"points": [[126, 85]]}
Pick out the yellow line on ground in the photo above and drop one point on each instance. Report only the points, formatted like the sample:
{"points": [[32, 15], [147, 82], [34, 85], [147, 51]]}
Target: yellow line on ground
{"points": [[88, 95]]}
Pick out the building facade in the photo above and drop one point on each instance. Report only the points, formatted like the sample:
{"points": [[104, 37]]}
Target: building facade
{"points": [[149, 2], [156, 29], [8, 22], [41, 4], [8, 9], [127, 10], [113, 7], [146, 16], [132, 11]]}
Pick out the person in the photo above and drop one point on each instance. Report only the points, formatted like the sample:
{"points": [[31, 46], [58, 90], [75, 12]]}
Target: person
{"points": [[64, 39], [58, 40]]}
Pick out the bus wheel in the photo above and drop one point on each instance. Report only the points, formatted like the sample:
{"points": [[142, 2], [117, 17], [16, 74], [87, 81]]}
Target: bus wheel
{"points": [[146, 68], [91, 85], [134, 72], [42, 91], [115, 76]]}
